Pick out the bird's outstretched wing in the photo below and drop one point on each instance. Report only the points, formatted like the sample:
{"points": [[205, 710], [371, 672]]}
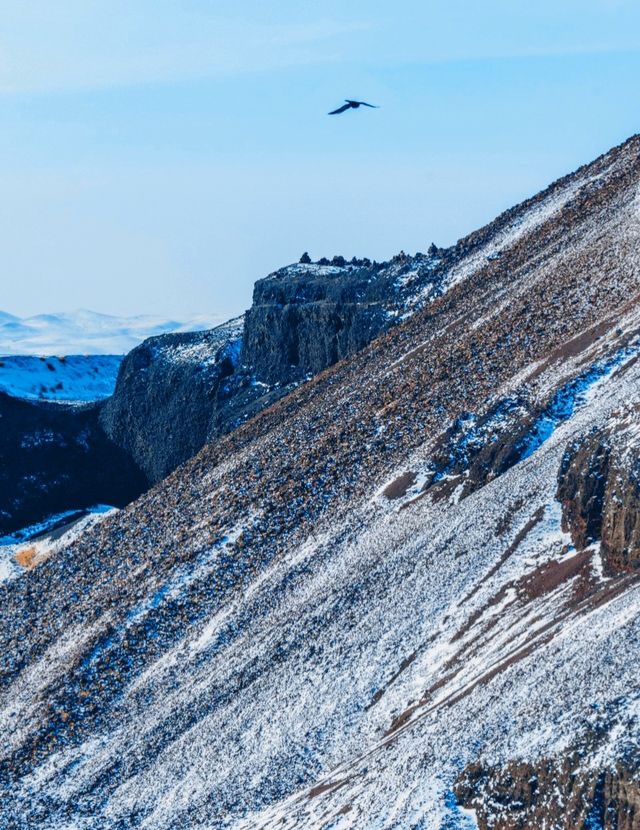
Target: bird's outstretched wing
{"points": [[364, 104], [341, 109]]}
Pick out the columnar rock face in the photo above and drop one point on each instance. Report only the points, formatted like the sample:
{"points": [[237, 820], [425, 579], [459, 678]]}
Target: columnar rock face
{"points": [[582, 487], [316, 623], [309, 316], [171, 396], [599, 487], [168, 392], [175, 392]]}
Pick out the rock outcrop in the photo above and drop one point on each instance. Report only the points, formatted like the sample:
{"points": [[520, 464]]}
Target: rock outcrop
{"points": [[175, 392], [309, 316], [169, 390], [557, 795], [599, 488]]}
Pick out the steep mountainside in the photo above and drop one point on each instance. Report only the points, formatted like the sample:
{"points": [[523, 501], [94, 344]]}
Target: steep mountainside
{"points": [[375, 604], [304, 318]]}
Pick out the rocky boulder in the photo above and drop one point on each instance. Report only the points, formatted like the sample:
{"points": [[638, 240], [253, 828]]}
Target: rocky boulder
{"points": [[558, 795]]}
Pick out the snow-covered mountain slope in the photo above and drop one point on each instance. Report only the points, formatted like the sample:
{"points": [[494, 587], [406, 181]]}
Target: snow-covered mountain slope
{"points": [[73, 379], [86, 332], [374, 605], [30, 547]]}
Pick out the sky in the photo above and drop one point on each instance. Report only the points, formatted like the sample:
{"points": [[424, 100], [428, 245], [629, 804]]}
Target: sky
{"points": [[160, 156]]}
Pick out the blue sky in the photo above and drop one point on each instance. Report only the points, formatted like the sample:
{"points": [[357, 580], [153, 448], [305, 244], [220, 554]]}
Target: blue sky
{"points": [[159, 156]]}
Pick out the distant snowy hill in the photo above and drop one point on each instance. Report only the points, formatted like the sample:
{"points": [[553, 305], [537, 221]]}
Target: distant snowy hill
{"points": [[86, 332], [77, 378]]}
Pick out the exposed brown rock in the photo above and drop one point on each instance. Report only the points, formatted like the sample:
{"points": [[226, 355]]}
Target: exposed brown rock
{"points": [[598, 486], [557, 795], [581, 490], [400, 485]]}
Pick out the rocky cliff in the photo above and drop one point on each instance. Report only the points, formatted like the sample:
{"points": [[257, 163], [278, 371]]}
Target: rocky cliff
{"points": [[168, 393], [599, 488], [175, 392], [309, 316]]}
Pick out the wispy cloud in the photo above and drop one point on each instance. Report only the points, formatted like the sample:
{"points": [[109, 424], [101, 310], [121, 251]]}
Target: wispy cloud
{"points": [[70, 45]]}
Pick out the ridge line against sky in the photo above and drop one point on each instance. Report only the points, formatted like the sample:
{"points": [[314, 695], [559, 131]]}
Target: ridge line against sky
{"points": [[159, 158]]}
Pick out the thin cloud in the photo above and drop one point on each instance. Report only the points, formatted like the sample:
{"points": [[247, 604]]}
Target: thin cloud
{"points": [[91, 47]]}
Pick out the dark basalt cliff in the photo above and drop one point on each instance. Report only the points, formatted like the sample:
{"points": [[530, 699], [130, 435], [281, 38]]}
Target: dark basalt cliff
{"points": [[599, 488], [175, 392], [306, 318], [168, 392]]}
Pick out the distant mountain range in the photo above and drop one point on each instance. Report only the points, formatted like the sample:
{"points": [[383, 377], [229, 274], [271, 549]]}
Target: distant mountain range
{"points": [[87, 332]]}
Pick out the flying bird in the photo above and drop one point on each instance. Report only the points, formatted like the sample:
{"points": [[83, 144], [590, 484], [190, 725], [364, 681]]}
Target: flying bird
{"points": [[352, 105]]}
